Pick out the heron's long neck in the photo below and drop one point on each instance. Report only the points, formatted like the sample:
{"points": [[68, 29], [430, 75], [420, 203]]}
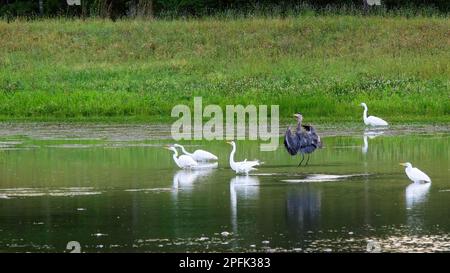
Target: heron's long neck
{"points": [[232, 155], [299, 125], [184, 151]]}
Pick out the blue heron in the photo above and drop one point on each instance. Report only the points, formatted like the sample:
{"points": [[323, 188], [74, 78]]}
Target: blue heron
{"points": [[303, 142]]}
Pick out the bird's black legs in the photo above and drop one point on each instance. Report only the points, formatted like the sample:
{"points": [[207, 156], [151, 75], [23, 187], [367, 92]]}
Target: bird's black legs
{"points": [[303, 157], [309, 155]]}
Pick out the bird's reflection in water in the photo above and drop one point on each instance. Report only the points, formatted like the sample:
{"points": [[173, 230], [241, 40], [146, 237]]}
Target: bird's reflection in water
{"points": [[369, 134], [416, 194], [242, 187], [303, 206], [185, 179]]}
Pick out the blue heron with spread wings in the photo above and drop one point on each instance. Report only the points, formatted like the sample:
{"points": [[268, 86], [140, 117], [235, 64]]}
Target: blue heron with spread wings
{"points": [[302, 141]]}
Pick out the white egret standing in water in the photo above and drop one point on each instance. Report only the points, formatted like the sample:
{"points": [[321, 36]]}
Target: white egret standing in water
{"points": [[415, 174], [198, 155], [242, 166], [372, 120], [183, 161]]}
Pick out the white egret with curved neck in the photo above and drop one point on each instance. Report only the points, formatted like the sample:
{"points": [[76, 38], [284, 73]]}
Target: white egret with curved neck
{"points": [[372, 120], [243, 167], [198, 155], [415, 174], [182, 161]]}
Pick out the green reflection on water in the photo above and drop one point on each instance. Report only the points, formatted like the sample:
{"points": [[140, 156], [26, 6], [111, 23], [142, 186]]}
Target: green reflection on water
{"points": [[129, 196]]}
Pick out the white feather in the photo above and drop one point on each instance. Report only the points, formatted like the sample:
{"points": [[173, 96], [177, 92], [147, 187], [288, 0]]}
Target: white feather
{"points": [[185, 161], [415, 174], [198, 155], [201, 155], [375, 121]]}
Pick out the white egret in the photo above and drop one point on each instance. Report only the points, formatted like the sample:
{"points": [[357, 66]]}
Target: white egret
{"points": [[415, 174], [198, 155], [372, 120], [183, 161], [242, 166]]}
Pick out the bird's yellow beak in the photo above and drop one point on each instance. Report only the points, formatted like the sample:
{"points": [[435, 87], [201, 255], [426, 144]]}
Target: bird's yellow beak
{"points": [[229, 142], [402, 164], [167, 147]]}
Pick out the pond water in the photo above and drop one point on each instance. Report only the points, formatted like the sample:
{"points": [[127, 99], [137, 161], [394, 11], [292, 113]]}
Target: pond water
{"points": [[113, 188]]}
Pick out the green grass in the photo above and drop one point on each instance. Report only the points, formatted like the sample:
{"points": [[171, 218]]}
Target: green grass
{"points": [[323, 66]]}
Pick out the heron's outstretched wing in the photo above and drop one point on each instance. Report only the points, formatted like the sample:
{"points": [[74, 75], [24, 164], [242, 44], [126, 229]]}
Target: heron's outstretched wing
{"points": [[291, 142], [312, 137]]}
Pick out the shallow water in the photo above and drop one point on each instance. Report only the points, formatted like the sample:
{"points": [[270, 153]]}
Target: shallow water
{"points": [[113, 188]]}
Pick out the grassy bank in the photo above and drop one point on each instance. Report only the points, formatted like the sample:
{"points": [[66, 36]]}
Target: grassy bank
{"points": [[323, 66]]}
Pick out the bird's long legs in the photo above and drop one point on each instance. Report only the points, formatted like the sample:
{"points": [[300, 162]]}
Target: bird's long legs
{"points": [[309, 155], [303, 157]]}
